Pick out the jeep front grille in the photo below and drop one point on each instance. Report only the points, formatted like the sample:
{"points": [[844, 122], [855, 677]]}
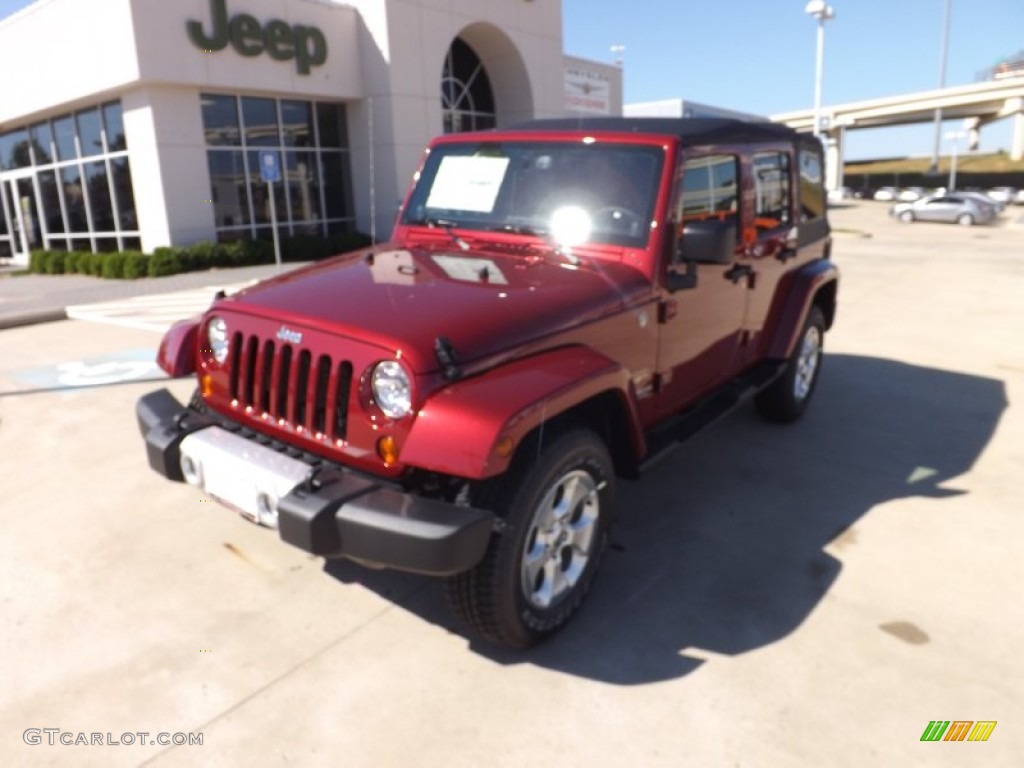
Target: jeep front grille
{"points": [[291, 384]]}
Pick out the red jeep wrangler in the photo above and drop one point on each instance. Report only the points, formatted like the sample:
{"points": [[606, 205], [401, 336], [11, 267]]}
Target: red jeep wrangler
{"points": [[559, 304]]}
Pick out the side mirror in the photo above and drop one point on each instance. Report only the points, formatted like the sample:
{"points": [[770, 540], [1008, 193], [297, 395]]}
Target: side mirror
{"points": [[707, 241]]}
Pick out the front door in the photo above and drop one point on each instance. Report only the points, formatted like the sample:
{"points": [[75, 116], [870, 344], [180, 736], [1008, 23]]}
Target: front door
{"points": [[21, 231], [702, 325]]}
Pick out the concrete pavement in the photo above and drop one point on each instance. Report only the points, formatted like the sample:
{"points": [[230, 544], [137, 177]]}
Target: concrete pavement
{"points": [[776, 596]]}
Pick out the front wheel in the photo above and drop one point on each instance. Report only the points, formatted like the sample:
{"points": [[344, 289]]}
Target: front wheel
{"points": [[556, 507], [907, 217], [965, 220], [786, 398]]}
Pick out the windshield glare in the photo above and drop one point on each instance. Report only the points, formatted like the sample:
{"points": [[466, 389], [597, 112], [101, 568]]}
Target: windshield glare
{"points": [[606, 191]]}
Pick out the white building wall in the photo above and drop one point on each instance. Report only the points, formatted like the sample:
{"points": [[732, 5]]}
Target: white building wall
{"points": [[164, 131]]}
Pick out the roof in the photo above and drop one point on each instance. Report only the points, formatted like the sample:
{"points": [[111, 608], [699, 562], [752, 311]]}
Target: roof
{"points": [[690, 130]]}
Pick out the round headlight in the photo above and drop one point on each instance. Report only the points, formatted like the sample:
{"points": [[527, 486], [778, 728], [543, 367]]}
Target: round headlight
{"points": [[391, 389], [217, 333]]}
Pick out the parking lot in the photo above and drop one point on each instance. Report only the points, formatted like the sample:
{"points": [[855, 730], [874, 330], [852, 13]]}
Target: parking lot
{"points": [[811, 595]]}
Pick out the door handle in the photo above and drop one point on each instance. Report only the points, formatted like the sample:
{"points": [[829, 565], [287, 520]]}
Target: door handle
{"points": [[739, 271]]}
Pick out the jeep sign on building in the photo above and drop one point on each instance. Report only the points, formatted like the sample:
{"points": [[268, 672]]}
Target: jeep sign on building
{"points": [[134, 124]]}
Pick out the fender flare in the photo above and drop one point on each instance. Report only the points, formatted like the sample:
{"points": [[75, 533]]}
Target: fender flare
{"points": [[806, 283], [177, 352], [473, 427]]}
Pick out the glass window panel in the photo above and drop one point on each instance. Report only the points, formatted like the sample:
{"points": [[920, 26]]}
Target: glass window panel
{"points": [[89, 132], [260, 199], [335, 173], [339, 227], [771, 185], [26, 201], [812, 193], [132, 244], [99, 197], [122, 174], [260, 116], [64, 133], [74, 199], [112, 119], [58, 244], [303, 187], [81, 244], [228, 188], [51, 202], [106, 244], [14, 150], [42, 143], [220, 120], [331, 122], [297, 119]]}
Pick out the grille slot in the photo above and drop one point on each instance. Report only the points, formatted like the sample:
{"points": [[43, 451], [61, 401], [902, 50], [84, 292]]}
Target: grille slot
{"points": [[291, 384]]}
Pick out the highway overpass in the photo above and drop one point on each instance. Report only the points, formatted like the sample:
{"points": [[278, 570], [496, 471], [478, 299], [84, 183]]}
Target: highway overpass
{"points": [[977, 104]]}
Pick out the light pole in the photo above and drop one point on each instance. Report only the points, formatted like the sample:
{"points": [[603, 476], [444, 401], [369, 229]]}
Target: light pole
{"points": [[618, 50], [942, 84], [955, 137], [821, 11]]}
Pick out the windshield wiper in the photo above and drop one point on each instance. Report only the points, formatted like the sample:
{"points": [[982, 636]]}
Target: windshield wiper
{"points": [[447, 225], [520, 229]]}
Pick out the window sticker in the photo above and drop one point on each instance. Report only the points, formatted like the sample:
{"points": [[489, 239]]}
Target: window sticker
{"points": [[468, 183]]}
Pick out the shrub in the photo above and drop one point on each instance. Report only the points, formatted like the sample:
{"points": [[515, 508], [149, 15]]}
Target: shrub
{"points": [[95, 261], [113, 266], [54, 262], [167, 262], [37, 261], [71, 262], [136, 265]]}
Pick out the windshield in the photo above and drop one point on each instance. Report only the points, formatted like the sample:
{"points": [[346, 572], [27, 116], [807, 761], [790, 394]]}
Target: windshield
{"points": [[576, 192]]}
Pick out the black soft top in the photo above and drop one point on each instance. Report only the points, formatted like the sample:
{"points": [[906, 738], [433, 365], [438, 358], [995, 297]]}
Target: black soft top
{"points": [[692, 131]]}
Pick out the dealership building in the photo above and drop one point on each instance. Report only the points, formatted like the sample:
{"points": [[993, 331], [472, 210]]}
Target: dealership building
{"points": [[135, 124]]}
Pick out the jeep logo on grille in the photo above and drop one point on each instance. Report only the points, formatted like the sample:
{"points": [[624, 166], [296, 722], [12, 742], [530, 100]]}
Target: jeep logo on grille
{"points": [[286, 335]]}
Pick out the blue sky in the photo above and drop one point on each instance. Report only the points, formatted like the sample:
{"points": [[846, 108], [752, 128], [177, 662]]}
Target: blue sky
{"points": [[758, 55]]}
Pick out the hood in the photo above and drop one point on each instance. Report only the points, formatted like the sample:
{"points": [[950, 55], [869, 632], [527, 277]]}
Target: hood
{"points": [[483, 302]]}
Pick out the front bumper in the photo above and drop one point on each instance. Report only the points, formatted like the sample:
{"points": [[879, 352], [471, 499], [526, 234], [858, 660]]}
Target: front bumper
{"points": [[336, 513]]}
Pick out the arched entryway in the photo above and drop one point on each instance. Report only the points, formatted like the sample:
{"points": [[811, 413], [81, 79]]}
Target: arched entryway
{"points": [[484, 81], [467, 100]]}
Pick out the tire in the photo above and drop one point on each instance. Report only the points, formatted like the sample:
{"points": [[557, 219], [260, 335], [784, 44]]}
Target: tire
{"points": [[907, 217], [537, 571], [786, 398], [965, 220]]}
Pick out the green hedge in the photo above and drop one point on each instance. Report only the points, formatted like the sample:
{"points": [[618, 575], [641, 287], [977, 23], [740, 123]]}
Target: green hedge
{"points": [[129, 265]]}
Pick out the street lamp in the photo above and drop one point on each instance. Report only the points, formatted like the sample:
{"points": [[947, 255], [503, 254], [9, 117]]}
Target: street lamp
{"points": [[955, 137], [821, 11], [618, 50]]}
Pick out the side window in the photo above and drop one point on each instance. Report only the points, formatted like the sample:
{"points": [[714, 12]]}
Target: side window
{"points": [[708, 188], [812, 188], [771, 190]]}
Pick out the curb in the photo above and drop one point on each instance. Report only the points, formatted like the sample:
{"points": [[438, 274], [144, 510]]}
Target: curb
{"points": [[33, 318]]}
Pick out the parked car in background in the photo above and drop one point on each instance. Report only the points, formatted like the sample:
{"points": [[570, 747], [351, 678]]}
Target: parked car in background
{"points": [[1018, 199], [910, 194], [1003, 194], [837, 195], [952, 208], [886, 193]]}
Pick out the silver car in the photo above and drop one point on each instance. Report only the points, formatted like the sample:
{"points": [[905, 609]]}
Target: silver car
{"points": [[950, 207]]}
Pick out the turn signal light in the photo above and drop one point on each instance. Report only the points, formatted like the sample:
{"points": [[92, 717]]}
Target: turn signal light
{"points": [[387, 449], [206, 384]]}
